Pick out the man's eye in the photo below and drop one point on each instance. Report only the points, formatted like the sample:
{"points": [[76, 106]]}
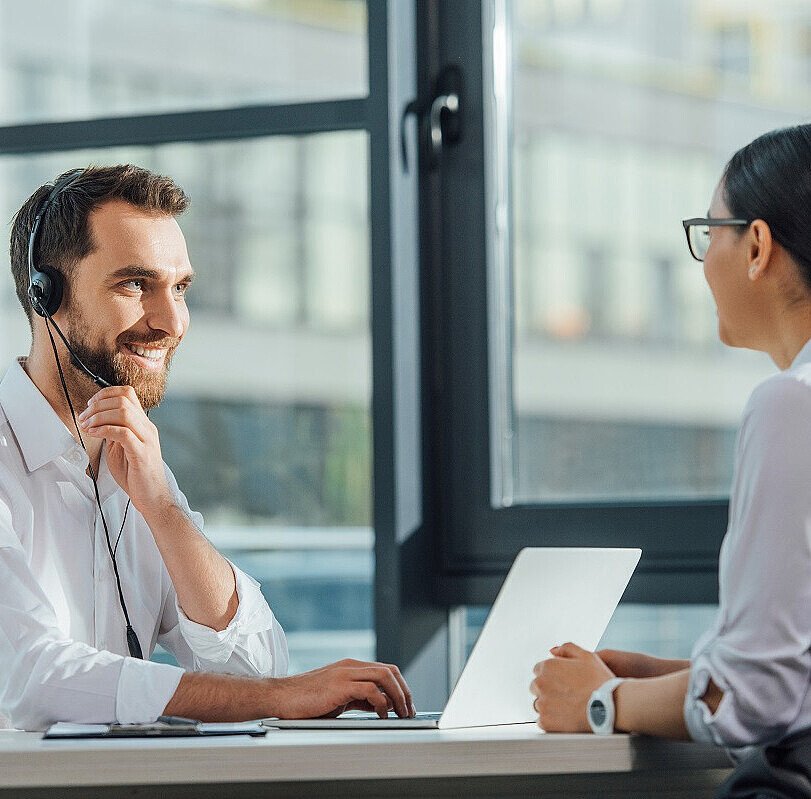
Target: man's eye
{"points": [[182, 288], [134, 284]]}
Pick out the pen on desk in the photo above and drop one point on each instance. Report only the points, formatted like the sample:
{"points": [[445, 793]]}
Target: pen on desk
{"points": [[176, 720]]}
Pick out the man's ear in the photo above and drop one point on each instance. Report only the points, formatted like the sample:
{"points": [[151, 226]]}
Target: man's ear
{"points": [[760, 246]]}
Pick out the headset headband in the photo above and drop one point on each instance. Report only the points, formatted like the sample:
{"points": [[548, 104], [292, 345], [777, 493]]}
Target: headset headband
{"points": [[59, 186]]}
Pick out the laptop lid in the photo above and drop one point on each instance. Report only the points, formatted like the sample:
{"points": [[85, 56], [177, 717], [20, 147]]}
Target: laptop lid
{"points": [[550, 596]]}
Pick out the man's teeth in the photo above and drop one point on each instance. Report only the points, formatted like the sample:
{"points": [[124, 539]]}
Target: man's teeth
{"points": [[153, 355]]}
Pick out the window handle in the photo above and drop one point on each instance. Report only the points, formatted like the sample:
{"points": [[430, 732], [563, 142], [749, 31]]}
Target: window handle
{"points": [[443, 102], [439, 117]]}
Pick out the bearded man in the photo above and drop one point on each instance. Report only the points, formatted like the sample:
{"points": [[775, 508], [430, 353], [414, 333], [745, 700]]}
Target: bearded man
{"points": [[100, 555]]}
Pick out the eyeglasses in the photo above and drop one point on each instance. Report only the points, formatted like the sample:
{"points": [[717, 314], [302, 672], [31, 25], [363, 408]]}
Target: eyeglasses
{"points": [[697, 231]]}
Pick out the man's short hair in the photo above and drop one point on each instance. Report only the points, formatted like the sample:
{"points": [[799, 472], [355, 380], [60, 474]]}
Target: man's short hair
{"points": [[64, 236]]}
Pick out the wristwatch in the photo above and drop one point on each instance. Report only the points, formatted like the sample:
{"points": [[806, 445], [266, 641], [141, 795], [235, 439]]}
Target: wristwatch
{"points": [[600, 710]]}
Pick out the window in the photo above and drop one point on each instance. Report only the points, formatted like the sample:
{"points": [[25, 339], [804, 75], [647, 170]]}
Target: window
{"points": [[620, 388]]}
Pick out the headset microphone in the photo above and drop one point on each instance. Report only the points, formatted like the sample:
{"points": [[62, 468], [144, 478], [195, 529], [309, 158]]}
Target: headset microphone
{"points": [[45, 290], [75, 359]]}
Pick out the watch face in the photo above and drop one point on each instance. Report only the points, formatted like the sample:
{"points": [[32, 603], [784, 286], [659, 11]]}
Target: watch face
{"points": [[597, 712]]}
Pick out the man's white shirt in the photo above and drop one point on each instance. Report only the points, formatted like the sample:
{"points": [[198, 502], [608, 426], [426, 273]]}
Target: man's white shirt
{"points": [[62, 631]]}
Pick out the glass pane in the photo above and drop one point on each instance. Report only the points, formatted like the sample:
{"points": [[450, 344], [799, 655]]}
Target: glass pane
{"points": [[666, 631], [618, 116], [266, 423], [98, 59]]}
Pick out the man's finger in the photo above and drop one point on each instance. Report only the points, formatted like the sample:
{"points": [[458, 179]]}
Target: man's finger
{"points": [[108, 404], [114, 391], [371, 694], [404, 685], [116, 417], [394, 690], [121, 435], [382, 677], [103, 404]]}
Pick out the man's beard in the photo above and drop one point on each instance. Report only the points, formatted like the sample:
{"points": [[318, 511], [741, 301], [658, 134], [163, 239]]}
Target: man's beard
{"points": [[118, 369]]}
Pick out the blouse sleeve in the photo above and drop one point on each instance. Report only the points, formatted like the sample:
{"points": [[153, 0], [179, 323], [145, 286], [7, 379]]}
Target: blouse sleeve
{"points": [[759, 655]]}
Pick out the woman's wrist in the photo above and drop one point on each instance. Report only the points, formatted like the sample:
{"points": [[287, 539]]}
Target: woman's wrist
{"points": [[622, 722], [653, 705]]}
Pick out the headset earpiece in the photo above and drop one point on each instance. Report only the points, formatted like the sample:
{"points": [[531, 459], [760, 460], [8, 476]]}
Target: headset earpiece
{"points": [[45, 290], [46, 284]]}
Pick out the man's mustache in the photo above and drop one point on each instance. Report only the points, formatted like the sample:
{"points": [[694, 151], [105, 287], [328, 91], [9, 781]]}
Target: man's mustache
{"points": [[160, 341]]}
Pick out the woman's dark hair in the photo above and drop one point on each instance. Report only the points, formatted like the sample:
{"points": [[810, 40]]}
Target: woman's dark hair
{"points": [[770, 179]]}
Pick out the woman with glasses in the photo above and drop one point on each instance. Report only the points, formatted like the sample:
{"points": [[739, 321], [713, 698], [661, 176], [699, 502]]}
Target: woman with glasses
{"points": [[748, 681]]}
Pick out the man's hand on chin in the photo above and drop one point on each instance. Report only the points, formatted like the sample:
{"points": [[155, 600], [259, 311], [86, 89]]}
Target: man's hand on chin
{"points": [[133, 445]]}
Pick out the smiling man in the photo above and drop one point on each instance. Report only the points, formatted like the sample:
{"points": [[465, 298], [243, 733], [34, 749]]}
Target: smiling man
{"points": [[100, 556]]}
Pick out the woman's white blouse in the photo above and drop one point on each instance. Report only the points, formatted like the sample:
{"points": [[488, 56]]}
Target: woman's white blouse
{"points": [[759, 650]]}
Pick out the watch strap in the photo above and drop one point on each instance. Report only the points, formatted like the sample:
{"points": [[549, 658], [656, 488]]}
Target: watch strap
{"points": [[601, 711]]}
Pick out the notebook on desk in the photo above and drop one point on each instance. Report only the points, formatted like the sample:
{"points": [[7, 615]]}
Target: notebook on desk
{"points": [[550, 596], [164, 727]]}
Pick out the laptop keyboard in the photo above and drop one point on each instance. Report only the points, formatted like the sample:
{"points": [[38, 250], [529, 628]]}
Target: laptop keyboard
{"points": [[360, 714]]}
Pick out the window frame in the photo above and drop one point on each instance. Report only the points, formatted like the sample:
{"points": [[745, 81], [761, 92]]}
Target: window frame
{"points": [[680, 539]]}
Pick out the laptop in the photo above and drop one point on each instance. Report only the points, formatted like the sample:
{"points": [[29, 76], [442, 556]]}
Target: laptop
{"points": [[550, 596]]}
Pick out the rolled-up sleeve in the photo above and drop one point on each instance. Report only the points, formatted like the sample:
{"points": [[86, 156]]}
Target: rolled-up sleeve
{"points": [[253, 643], [48, 678], [697, 716], [759, 653]]}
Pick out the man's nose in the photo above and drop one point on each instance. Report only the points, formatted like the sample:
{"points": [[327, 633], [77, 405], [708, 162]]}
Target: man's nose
{"points": [[169, 315]]}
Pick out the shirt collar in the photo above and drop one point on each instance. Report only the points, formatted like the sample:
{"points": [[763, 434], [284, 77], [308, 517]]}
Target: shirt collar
{"points": [[803, 356], [39, 431]]}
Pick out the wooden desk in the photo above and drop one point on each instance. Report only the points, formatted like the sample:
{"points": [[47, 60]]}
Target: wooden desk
{"points": [[496, 762]]}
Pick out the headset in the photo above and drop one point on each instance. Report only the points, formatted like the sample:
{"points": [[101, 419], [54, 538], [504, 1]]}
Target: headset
{"points": [[45, 283], [45, 291]]}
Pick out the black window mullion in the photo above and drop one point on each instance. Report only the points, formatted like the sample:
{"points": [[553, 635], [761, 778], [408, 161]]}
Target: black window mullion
{"points": [[153, 129]]}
